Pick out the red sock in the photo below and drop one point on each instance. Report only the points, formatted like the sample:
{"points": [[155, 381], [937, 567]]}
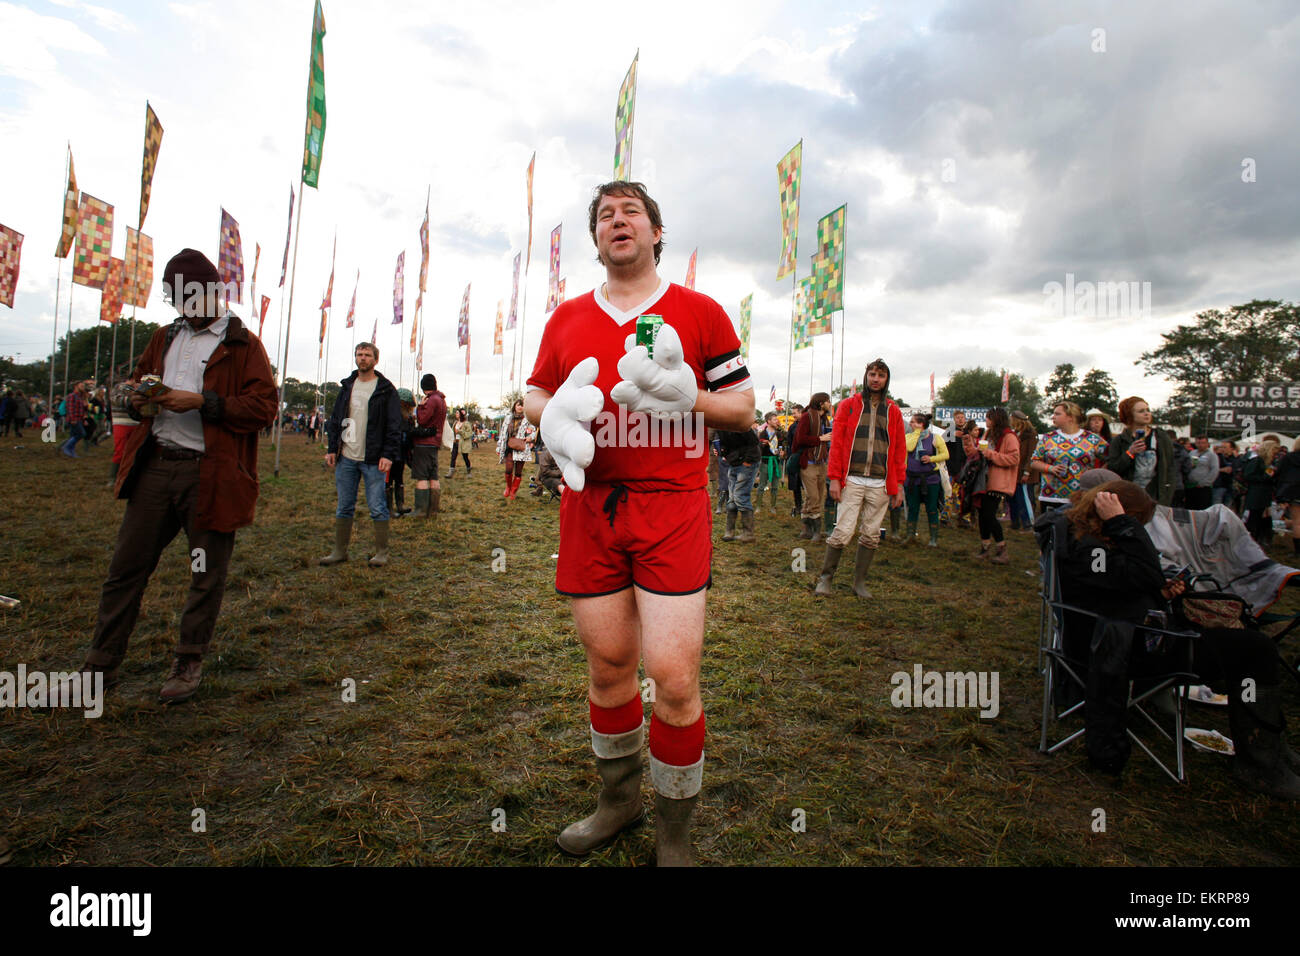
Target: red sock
{"points": [[677, 746], [617, 720]]}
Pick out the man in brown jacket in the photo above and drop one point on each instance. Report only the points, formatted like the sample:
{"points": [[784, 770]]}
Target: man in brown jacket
{"points": [[191, 464]]}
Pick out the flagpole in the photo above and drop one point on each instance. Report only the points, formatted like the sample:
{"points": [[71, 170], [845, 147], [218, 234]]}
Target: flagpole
{"points": [[67, 344], [98, 329], [279, 335], [789, 358], [844, 327], [289, 324], [58, 283]]}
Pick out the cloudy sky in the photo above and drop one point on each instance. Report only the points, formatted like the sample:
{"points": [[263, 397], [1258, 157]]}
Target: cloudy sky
{"points": [[984, 150]]}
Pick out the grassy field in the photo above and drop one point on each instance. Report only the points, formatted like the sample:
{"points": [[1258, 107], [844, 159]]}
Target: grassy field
{"points": [[471, 698]]}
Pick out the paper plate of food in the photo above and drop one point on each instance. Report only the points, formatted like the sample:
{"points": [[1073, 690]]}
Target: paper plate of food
{"points": [[1210, 741], [1201, 694]]}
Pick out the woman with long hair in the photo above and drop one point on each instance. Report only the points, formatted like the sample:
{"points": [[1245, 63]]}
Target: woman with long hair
{"points": [[925, 456], [1259, 475], [1098, 423], [811, 437], [1142, 453], [1022, 506], [1107, 564], [1002, 457], [515, 447]]}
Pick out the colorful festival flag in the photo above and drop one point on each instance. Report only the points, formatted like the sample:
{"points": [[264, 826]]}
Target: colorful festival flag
{"points": [[138, 268], [320, 353], [528, 260], [746, 314], [1006, 386], [624, 114], [462, 324], [514, 297], [230, 257], [415, 319], [315, 138], [802, 312], [69, 234], [399, 289], [553, 282], [424, 251], [261, 314], [931, 388], [284, 263], [690, 269], [560, 298], [788, 171], [11, 250], [110, 299], [153, 134], [94, 242], [352, 307], [828, 263], [819, 323], [328, 301], [496, 333]]}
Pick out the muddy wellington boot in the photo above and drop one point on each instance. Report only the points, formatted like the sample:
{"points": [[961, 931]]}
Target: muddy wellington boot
{"points": [[894, 521], [911, 533], [1258, 736], [730, 534], [381, 545], [388, 498], [619, 805], [860, 568], [400, 495], [342, 535], [747, 526], [807, 528], [676, 791], [934, 532], [434, 503], [825, 585]]}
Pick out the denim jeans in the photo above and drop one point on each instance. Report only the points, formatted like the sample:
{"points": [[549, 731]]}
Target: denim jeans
{"points": [[78, 434], [347, 473], [741, 480], [1022, 511]]}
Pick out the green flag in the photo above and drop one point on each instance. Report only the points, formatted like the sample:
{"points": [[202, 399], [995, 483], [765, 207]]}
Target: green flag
{"points": [[315, 141], [828, 264], [802, 312]]}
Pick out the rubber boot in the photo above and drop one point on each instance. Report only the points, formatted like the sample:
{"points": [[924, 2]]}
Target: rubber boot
{"points": [[730, 534], [510, 480], [817, 536], [1257, 736], [433, 504], [807, 528], [617, 808], [934, 531], [673, 830], [1000, 555], [400, 495], [421, 503], [825, 585], [388, 497], [112, 475], [381, 545], [342, 535], [747, 524], [911, 533], [860, 568], [514, 486], [893, 521]]}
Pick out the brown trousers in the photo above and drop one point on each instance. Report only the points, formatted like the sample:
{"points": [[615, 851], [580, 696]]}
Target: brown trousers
{"points": [[160, 506]]}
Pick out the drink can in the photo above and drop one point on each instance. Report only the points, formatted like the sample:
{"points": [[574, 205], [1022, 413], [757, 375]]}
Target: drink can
{"points": [[647, 327]]}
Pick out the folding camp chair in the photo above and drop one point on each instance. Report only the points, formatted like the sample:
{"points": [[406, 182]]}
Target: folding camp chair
{"points": [[1065, 677]]}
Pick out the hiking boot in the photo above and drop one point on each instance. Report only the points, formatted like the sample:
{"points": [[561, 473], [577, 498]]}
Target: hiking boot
{"points": [[860, 568], [381, 545], [342, 535], [747, 526], [617, 808], [983, 553], [183, 681], [1258, 731], [825, 586], [1000, 555], [60, 693], [730, 534]]}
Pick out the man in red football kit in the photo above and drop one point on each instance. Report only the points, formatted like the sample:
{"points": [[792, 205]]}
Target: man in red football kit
{"points": [[636, 521]]}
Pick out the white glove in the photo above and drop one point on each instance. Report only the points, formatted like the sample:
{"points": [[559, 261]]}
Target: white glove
{"points": [[663, 386], [564, 422]]}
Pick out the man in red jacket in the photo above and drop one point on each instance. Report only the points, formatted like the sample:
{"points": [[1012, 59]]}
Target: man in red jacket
{"points": [[867, 466], [191, 464]]}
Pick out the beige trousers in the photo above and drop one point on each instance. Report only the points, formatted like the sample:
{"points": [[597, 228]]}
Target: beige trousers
{"points": [[862, 508]]}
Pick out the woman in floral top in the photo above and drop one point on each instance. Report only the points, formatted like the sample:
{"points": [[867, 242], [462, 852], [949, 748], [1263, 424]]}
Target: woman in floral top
{"points": [[1065, 454]]}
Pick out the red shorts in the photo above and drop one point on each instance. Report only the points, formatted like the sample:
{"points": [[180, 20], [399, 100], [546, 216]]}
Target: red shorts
{"points": [[661, 541]]}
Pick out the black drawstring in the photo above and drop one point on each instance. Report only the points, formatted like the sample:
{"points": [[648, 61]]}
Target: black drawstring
{"points": [[616, 494]]}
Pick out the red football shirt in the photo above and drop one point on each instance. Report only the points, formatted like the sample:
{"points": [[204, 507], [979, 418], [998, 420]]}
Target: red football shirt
{"points": [[631, 448]]}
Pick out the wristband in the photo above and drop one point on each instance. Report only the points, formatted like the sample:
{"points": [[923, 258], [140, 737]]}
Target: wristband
{"points": [[1130, 453]]}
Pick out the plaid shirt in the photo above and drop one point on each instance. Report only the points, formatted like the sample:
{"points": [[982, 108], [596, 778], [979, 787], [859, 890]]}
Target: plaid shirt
{"points": [[76, 408]]}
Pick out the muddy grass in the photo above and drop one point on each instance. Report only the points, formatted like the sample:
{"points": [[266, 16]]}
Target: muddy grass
{"points": [[470, 698]]}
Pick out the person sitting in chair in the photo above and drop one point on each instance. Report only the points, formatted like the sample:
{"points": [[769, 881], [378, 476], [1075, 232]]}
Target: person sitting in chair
{"points": [[1107, 563]]}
